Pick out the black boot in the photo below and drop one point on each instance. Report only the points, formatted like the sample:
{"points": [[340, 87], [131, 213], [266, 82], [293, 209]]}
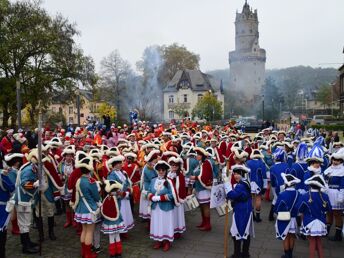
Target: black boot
{"points": [[246, 248], [27, 249], [32, 244], [337, 236], [290, 253], [328, 227], [40, 229], [34, 224], [271, 214], [51, 228], [286, 254], [258, 219], [58, 208], [237, 248], [3, 237]]}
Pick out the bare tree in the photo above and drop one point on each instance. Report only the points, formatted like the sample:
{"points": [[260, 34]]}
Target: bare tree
{"points": [[114, 73]]}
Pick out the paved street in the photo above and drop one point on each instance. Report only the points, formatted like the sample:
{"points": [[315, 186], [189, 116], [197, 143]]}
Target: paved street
{"points": [[193, 244]]}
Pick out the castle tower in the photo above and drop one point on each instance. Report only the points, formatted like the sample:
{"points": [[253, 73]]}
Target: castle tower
{"points": [[247, 62]]}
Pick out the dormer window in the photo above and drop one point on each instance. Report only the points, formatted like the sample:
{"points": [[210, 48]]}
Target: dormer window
{"points": [[184, 84]]}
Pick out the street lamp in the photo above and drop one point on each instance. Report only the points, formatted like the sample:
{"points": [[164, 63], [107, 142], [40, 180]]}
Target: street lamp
{"points": [[78, 105], [263, 108]]}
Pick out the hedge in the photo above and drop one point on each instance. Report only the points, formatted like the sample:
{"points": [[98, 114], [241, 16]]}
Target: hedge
{"points": [[330, 127]]}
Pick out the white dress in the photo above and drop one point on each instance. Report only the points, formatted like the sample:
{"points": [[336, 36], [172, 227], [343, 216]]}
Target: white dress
{"points": [[162, 222]]}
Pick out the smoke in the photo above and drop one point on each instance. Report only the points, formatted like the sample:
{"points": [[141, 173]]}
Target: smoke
{"points": [[145, 92]]}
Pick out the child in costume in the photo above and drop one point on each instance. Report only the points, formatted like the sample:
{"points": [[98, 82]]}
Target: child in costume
{"points": [[240, 197], [86, 206], [313, 206], [334, 176], [286, 210], [161, 197], [176, 175]]}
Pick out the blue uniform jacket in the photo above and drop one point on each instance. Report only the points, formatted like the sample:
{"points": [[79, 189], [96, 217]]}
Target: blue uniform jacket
{"points": [[12, 175], [6, 189], [240, 197], [192, 164], [314, 208], [258, 172], [285, 202], [165, 205], [148, 175], [126, 183], [290, 159], [26, 175], [275, 175], [89, 188]]}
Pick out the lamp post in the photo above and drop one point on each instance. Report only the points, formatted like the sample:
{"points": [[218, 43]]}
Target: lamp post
{"points": [[18, 102], [263, 108], [78, 105]]}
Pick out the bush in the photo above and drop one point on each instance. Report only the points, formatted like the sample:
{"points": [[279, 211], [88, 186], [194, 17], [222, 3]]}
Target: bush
{"points": [[338, 127]]}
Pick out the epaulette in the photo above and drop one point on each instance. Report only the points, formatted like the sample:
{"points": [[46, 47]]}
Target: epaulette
{"points": [[92, 180]]}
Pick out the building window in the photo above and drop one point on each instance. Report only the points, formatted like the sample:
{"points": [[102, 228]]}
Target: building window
{"points": [[71, 120], [82, 115], [199, 96], [171, 99], [171, 114], [185, 98], [70, 110]]}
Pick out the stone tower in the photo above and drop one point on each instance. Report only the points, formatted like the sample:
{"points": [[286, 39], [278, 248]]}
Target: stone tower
{"points": [[247, 62]]}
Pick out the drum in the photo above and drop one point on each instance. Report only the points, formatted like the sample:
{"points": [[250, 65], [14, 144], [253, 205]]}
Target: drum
{"points": [[190, 203], [221, 210]]}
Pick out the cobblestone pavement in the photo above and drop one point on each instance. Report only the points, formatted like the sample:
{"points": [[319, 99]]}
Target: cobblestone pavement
{"points": [[193, 244]]}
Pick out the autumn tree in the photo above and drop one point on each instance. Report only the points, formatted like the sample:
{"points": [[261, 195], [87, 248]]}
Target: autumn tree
{"points": [[208, 107], [176, 57]]}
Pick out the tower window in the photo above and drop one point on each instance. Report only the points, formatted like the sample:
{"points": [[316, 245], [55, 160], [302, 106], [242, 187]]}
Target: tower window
{"points": [[242, 31], [251, 31], [254, 49], [185, 98]]}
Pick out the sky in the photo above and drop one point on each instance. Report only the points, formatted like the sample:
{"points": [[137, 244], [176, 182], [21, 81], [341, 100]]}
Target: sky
{"points": [[293, 32]]}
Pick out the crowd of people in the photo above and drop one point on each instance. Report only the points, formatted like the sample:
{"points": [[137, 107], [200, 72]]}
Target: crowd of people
{"points": [[98, 175]]}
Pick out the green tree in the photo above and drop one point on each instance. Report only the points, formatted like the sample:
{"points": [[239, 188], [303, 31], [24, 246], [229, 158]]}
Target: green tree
{"points": [[324, 95], [39, 52], [208, 107]]}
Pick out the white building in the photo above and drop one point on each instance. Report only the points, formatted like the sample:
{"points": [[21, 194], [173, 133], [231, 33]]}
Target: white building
{"points": [[185, 89]]}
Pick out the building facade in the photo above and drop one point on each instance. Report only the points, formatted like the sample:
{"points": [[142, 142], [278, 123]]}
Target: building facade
{"points": [[184, 91], [341, 89], [88, 108], [247, 61]]}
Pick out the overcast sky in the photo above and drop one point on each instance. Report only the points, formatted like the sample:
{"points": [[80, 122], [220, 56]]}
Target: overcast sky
{"points": [[293, 32]]}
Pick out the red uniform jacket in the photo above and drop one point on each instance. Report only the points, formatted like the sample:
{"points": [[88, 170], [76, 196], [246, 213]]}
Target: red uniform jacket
{"points": [[132, 171]]}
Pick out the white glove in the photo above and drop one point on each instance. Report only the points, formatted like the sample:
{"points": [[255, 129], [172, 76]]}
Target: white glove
{"points": [[155, 198], [144, 192], [36, 184], [228, 187], [282, 188]]}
